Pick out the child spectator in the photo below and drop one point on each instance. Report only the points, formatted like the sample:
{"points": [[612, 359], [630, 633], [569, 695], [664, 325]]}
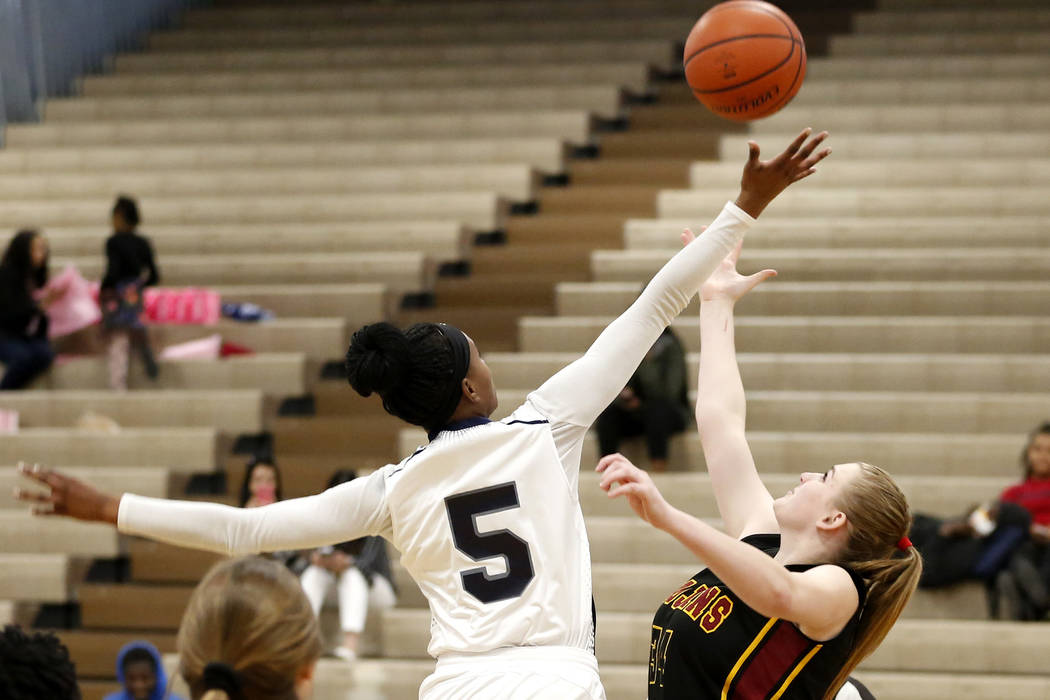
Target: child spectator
{"points": [[140, 670], [359, 570], [655, 403], [129, 269], [35, 666], [24, 348], [261, 487]]}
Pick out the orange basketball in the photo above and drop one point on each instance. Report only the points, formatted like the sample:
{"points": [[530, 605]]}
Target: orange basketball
{"points": [[744, 59]]}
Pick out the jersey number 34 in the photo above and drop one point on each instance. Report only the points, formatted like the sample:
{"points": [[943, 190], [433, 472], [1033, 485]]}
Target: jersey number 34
{"points": [[463, 512]]}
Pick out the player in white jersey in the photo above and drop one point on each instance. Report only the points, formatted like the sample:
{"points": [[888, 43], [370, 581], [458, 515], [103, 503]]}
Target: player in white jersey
{"points": [[486, 516]]}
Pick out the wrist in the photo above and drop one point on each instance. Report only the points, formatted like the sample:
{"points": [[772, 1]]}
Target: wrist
{"points": [[753, 204], [110, 510]]}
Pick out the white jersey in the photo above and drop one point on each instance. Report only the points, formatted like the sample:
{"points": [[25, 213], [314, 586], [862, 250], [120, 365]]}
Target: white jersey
{"points": [[487, 516]]}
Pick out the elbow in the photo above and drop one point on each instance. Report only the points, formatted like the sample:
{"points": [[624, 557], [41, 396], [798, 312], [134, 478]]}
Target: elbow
{"points": [[711, 419]]}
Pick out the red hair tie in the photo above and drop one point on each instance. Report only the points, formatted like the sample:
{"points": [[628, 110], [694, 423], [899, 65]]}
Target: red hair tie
{"points": [[903, 544]]}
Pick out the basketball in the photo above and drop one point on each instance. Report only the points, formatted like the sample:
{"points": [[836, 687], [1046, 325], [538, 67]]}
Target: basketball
{"points": [[744, 59]]}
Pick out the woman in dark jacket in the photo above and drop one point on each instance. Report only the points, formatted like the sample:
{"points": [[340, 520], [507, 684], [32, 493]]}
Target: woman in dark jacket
{"points": [[24, 348]]}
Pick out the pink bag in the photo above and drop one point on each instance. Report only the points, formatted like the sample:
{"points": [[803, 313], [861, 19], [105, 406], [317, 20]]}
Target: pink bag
{"points": [[182, 306], [203, 349], [76, 309], [8, 421]]}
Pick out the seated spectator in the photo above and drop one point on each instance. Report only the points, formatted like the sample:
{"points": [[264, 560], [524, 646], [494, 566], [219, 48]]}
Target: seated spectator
{"points": [[261, 487], [35, 666], [25, 349], [359, 570], [248, 632], [1026, 582], [140, 670], [129, 269], [262, 482], [655, 403]]}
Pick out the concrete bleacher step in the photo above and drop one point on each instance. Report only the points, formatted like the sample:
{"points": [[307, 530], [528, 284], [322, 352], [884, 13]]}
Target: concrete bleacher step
{"points": [[484, 211], [1003, 64], [953, 4], [570, 125], [274, 374], [959, 114], [834, 334], [410, 13], [95, 652], [886, 410], [782, 298], [317, 338], [23, 533], [630, 75], [841, 264], [159, 563], [900, 172], [857, 232], [958, 145], [441, 241], [401, 273], [182, 450], [357, 303], [945, 42], [518, 183], [145, 481], [605, 101], [657, 52], [229, 411], [912, 645], [917, 21], [874, 201], [915, 454], [902, 372], [517, 30], [35, 577], [546, 154], [133, 606], [938, 91]]}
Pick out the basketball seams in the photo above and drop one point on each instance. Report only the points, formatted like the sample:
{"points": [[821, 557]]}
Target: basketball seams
{"points": [[774, 69], [753, 6]]}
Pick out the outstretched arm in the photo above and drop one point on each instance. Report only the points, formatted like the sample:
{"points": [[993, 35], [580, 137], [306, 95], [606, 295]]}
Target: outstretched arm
{"points": [[581, 391], [820, 600], [346, 512]]}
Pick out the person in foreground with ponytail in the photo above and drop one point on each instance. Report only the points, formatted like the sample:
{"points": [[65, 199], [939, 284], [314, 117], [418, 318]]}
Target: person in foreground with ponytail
{"points": [[797, 590], [487, 515], [249, 633]]}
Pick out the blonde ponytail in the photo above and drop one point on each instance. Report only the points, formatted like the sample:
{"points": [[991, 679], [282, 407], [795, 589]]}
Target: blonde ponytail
{"points": [[879, 519], [249, 630]]}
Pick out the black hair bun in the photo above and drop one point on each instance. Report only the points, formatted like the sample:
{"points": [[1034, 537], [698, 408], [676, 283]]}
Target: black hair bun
{"points": [[378, 358]]}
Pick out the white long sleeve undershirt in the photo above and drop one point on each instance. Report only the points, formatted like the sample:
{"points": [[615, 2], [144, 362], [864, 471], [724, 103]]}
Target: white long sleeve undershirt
{"points": [[572, 399]]}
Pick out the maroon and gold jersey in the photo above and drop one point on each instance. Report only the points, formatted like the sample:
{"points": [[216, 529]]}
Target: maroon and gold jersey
{"points": [[707, 643]]}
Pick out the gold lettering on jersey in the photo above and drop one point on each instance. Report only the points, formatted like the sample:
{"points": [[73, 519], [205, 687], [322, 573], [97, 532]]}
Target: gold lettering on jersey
{"points": [[716, 615], [688, 584], [704, 604]]}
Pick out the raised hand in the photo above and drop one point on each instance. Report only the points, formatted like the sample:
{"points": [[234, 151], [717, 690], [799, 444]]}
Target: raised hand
{"points": [[66, 496], [728, 284], [621, 478], [763, 180]]}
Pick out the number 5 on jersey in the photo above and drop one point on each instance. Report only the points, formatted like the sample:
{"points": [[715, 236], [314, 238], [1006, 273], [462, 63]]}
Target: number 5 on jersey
{"points": [[464, 509]]}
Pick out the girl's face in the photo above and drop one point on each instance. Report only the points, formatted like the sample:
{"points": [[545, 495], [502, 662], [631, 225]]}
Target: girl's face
{"points": [[38, 250], [813, 500], [263, 484], [1039, 456]]}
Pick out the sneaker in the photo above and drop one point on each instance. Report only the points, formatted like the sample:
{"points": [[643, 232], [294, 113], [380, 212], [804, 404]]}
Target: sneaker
{"points": [[344, 654]]}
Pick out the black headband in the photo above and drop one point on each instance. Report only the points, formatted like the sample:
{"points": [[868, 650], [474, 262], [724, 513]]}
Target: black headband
{"points": [[460, 364], [220, 676]]}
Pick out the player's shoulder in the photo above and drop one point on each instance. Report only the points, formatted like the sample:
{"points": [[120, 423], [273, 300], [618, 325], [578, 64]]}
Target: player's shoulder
{"points": [[526, 414]]}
